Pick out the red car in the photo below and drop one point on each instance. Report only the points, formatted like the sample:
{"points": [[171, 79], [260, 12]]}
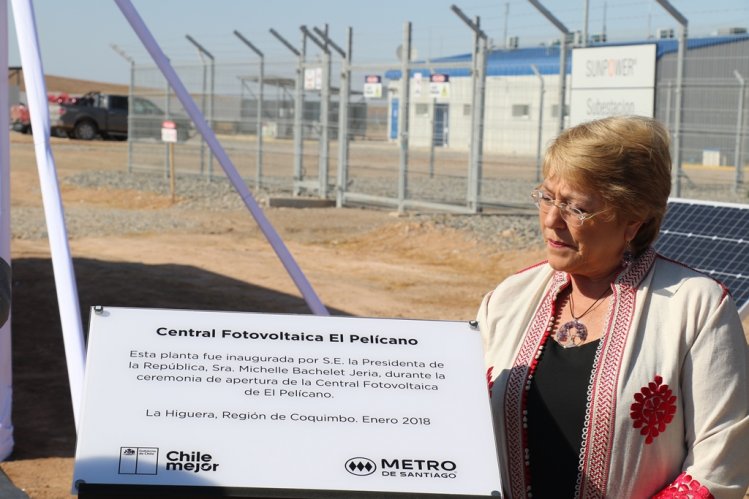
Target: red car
{"points": [[19, 118]]}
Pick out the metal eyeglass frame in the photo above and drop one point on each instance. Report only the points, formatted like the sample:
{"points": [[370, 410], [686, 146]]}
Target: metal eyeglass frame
{"points": [[544, 203]]}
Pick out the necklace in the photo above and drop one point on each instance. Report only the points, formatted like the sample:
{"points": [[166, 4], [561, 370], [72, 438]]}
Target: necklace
{"points": [[565, 335]]}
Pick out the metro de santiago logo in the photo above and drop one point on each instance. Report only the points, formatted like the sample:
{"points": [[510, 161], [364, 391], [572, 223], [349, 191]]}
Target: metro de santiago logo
{"points": [[360, 466], [403, 467]]}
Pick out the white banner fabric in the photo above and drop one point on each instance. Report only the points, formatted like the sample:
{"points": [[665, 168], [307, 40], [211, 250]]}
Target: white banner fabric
{"points": [[6, 377], [67, 292]]}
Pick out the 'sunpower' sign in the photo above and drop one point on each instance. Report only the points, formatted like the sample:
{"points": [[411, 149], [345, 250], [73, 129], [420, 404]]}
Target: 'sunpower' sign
{"points": [[611, 81]]}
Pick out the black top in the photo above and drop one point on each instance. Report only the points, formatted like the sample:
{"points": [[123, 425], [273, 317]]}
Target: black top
{"points": [[556, 413]]}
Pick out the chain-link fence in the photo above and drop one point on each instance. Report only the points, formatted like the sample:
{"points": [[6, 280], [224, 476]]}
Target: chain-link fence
{"points": [[714, 117], [280, 123]]}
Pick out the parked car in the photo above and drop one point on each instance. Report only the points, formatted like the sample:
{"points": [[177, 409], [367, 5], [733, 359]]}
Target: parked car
{"points": [[106, 115], [20, 121], [20, 118]]}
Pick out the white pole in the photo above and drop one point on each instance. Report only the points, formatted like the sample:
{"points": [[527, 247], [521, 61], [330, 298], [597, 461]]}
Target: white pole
{"points": [[6, 372], [67, 293]]}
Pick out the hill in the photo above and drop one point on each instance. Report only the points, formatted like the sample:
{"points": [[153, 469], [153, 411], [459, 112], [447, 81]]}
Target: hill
{"points": [[72, 86]]}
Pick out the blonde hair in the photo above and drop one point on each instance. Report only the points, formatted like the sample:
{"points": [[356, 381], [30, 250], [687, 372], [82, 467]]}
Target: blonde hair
{"points": [[625, 160]]}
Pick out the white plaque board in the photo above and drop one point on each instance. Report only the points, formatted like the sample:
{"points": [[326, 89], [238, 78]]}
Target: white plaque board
{"points": [[259, 401], [612, 81]]}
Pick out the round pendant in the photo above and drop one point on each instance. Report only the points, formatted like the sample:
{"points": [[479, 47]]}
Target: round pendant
{"points": [[565, 334]]}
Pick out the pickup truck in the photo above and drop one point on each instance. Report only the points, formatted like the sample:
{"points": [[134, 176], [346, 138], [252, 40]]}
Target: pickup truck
{"points": [[106, 115], [90, 115]]}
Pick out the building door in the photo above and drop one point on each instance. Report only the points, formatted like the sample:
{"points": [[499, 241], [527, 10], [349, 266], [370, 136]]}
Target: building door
{"points": [[441, 115], [394, 118]]}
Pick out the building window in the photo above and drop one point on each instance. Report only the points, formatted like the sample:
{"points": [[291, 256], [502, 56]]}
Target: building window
{"points": [[521, 110], [466, 109], [555, 110], [422, 109]]}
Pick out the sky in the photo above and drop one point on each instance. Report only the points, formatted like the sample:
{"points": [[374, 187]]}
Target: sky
{"points": [[76, 36]]}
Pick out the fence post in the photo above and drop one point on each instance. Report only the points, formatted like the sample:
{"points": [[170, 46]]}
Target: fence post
{"points": [[130, 93], [432, 137], [261, 78], [298, 120], [203, 93], [562, 56], [203, 53], [324, 160], [259, 160], [676, 156], [477, 129], [211, 122], [668, 104], [478, 80], [298, 107], [677, 112], [130, 120], [541, 91], [404, 106], [167, 116], [739, 126], [324, 154], [343, 121]]}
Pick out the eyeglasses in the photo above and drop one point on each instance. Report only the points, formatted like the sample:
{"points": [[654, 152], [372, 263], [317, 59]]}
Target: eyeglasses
{"points": [[570, 214]]}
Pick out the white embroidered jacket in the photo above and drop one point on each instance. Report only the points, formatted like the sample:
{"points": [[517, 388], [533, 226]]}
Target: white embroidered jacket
{"points": [[669, 392]]}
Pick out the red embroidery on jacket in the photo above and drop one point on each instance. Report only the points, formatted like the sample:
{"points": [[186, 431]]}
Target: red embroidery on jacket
{"points": [[684, 487], [653, 409], [489, 380]]}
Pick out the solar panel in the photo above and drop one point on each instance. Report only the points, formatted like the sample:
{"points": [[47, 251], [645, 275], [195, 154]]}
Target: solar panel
{"points": [[712, 238]]}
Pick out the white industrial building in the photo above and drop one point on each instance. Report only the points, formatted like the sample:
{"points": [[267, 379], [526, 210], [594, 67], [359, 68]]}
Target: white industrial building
{"points": [[514, 91]]}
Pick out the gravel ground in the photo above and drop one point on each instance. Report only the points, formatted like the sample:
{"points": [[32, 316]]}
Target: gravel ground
{"points": [[502, 231], [511, 226]]}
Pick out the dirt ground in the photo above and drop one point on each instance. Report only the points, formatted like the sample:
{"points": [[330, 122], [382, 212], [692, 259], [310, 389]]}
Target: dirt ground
{"points": [[360, 262]]}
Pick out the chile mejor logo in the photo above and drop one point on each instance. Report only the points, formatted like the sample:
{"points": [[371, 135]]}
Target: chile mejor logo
{"points": [[145, 461]]}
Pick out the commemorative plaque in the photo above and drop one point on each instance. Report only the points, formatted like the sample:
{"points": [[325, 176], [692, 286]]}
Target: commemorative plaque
{"points": [[260, 405]]}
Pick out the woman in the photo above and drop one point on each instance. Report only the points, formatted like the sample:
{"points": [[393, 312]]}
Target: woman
{"points": [[613, 371]]}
